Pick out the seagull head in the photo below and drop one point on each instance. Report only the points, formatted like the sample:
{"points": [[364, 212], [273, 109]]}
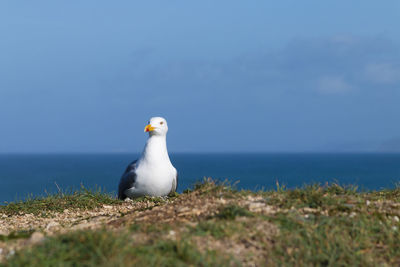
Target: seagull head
{"points": [[157, 126]]}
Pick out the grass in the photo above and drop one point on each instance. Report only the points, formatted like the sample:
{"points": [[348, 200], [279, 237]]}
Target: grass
{"points": [[217, 229], [80, 199], [230, 212], [328, 241], [16, 235], [330, 196], [105, 248], [328, 225]]}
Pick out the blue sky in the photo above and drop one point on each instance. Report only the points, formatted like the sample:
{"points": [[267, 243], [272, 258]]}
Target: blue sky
{"points": [[229, 76]]}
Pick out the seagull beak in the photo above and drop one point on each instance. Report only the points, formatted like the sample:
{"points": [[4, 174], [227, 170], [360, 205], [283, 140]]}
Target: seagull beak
{"points": [[149, 128]]}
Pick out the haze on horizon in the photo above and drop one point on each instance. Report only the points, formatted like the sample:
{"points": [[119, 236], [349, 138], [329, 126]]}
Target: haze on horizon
{"points": [[229, 76]]}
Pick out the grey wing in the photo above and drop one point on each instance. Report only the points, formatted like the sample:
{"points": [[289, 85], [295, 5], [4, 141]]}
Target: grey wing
{"points": [[128, 180], [174, 184]]}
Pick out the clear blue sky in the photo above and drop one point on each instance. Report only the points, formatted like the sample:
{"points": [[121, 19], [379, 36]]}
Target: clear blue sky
{"points": [[263, 76]]}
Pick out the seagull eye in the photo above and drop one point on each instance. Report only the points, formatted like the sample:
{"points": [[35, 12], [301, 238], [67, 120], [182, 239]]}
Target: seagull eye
{"points": [[162, 123]]}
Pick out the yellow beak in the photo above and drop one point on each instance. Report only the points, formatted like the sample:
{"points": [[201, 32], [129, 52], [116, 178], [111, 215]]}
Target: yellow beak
{"points": [[149, 128]]}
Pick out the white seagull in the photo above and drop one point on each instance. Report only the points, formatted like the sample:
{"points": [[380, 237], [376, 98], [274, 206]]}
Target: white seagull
{"points": [[153, 173]]}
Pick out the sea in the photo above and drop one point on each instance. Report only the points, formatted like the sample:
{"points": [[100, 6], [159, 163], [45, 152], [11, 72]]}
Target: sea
{"points": [[23, 176]]}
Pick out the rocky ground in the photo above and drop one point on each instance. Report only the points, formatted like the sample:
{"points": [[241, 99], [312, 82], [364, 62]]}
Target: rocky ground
{"points": [[210, 225]]}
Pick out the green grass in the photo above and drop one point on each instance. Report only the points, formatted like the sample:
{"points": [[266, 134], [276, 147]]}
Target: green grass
{"points": [[329, 225], [217, 229], [332, 197], [105, 248], [230, 212], [80, 199], [16, 235], [211, 186], [387, 194], [332, 241]]}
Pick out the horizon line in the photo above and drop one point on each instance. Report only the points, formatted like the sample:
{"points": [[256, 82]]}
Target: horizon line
{"points": [[200, 152]]}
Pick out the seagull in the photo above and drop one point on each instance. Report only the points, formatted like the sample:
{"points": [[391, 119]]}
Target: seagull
{"points": [[153, 173]]}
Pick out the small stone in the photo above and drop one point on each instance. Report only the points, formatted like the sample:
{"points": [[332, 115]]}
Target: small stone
{"points": [[396, 218], [4, 216], [310, 210], [395, 228], [183, 209], [172, 233], [1, 251], [11, 253], [368, 202], [66, 211], [128, 199], [36, 237], [256, 207], [352, 215], [222, 201], [196, 211], [52, 225], [107, 207], [268, 209]]}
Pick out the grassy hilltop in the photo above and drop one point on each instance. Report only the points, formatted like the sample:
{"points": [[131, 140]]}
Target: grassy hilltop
{"points": [[211, 225]]}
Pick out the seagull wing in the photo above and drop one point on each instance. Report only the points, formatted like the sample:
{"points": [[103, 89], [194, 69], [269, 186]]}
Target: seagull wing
{"points": [[128, 180]]}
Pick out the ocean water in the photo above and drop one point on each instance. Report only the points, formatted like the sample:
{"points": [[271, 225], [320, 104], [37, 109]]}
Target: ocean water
{"points": [[22, 175]]}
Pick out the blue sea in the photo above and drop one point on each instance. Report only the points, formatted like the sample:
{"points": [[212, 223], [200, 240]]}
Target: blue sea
{"points": [[35, 175]]}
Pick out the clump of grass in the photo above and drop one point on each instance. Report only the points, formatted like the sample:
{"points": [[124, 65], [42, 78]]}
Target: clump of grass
{"points": [[154, 228], [314, 196], [311, 196], [218, 229], [212, 228], [105, 248], [23, 234], [80, 199], [335, 240], [212, 186], [387, 194], [232, 211], [337, 189]]}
